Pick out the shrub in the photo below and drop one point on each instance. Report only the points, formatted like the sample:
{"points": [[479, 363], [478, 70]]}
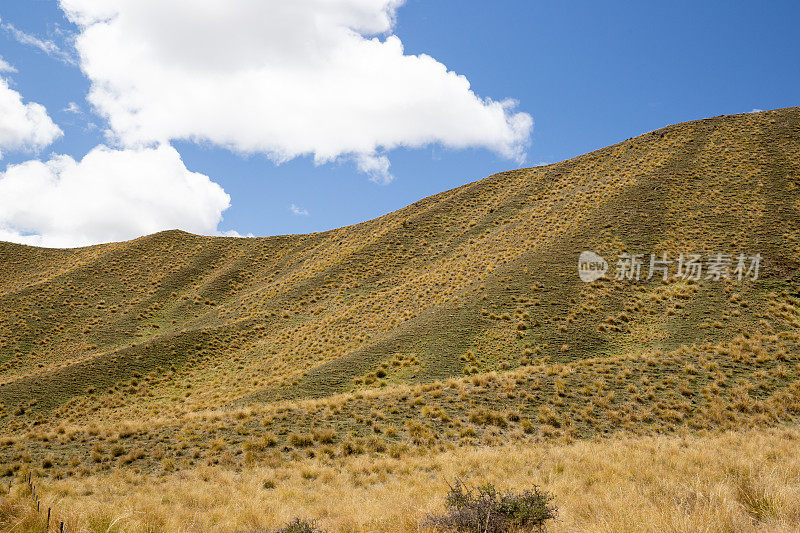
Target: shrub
{"points": [[300, 526], [487, 510]]}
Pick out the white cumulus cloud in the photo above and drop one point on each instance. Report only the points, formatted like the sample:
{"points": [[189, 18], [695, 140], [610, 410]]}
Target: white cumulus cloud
{"points": [[23, 126], [109, 195], [324, 78]]}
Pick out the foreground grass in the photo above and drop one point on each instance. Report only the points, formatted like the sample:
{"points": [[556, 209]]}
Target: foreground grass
{"points": [[735, 481]]}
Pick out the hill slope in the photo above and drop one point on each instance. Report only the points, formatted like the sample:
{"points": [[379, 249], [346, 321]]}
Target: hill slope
{"points": [[477, 285]]}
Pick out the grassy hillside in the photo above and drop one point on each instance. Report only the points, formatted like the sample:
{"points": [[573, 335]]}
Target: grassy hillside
{"points": [[458, 320]]}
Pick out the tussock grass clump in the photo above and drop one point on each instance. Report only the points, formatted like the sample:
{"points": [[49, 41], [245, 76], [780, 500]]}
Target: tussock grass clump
{"points": [[488, 417], [324, 435], [484, 509], [301, 440]]}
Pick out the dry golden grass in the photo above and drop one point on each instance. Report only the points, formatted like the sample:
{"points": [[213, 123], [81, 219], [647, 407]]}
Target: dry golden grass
{"points": [[734, 481]]}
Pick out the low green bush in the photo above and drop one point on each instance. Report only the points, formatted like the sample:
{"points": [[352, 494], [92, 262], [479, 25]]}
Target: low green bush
{"points": [[486, 510]]}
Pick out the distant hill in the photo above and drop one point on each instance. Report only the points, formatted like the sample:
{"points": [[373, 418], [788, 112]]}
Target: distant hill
{"points": [[468, 301]]}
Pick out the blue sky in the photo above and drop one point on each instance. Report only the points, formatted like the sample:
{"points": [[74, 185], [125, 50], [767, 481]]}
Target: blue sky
{"points": [[589, 74]]}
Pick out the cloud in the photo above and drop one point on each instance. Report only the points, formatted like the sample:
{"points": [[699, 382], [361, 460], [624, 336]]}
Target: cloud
{"points": [[5, 66], [376, 166], [299, 211], [73, 108], [23, 126], [755, 110], [109, 195], [48, 47], [320, 78], [234, 233]]}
